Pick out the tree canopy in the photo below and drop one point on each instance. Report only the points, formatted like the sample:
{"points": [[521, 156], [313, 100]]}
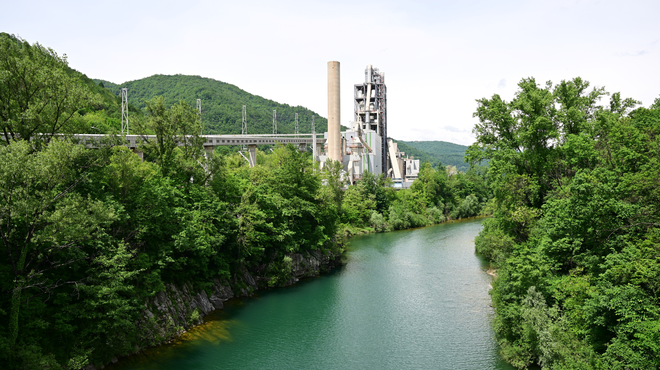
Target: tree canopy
{"points": [[39, 95], [576, 225]]}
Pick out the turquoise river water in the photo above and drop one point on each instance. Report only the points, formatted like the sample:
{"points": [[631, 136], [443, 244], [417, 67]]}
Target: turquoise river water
{"points": [[415, 299]]}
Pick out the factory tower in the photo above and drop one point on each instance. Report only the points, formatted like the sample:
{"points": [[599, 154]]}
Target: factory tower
{"points": [[370, 100], [334, 112]]}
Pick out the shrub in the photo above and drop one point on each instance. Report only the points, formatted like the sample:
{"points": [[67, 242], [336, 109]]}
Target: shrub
{"points": [[435, 215], [378, 221]]}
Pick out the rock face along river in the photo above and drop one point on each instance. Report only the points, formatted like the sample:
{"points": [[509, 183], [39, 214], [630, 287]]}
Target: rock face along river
{"points": [[415, 299]]}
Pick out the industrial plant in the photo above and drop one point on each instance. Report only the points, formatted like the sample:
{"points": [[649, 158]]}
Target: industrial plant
{"points": [[364, 147]]}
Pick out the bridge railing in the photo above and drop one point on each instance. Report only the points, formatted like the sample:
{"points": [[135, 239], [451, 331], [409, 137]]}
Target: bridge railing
{"points": [[133, 141]]}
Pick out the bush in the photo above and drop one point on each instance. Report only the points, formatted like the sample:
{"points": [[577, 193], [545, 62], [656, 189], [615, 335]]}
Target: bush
{"points": [[417, 220], [435, 215], [378, 222], [469, 206], [493, 243], [399, 218]]}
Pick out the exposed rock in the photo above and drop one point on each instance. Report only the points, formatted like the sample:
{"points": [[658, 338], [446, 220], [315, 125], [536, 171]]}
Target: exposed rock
{"points": [[221, 292], [313, 263], [171, 312], [203, 303]]}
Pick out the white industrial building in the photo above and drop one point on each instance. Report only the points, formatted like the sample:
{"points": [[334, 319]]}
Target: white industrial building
{"points": [[364, 147]]}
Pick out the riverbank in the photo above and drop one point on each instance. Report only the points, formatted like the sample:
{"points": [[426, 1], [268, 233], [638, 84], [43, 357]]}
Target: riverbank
{"points": [[174, 311], [347, 231], [407, 299]]}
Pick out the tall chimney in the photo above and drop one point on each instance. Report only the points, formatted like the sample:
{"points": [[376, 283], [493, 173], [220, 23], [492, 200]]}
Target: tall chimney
{"points": [[334, 112]]}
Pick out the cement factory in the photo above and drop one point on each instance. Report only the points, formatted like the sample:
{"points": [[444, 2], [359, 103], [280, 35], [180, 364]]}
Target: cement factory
{"points": [[364, 147]]}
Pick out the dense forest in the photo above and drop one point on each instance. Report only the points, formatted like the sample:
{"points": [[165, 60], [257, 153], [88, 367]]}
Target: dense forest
{"points": [[576, 228], [437, 152], [222, 104], [88, 235]]}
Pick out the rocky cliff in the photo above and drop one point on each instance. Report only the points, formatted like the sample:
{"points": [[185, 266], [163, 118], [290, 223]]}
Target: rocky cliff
{"points": [[171, 312]]}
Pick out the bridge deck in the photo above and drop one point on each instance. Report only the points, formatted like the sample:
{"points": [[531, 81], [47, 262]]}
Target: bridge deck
{"points": [[132, 141]]}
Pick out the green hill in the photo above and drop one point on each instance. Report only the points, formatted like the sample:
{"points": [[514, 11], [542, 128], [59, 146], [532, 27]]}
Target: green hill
{"points": [[436, 151], [221, 104], [222, 112], [416, 153]]}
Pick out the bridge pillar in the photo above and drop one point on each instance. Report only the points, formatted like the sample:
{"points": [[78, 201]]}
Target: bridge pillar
{"points": [[139, 153], [209, 150], [252, 149], [302, 147]]}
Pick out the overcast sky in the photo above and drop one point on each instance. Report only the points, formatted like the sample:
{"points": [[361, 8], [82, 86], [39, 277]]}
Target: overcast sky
{"points": [[438, 56]]}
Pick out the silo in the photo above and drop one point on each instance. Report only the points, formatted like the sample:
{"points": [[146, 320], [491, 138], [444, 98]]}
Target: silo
{"points": [[334, 112]]}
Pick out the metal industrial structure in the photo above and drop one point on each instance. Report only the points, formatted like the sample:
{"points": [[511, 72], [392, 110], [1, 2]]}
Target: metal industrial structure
{"points": [[124, 111], [370, 101], [274, 122], [244, 122], [364, 147], [199, 112]]}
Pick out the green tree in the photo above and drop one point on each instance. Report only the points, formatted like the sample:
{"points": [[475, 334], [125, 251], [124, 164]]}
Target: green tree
{"points": [[381, 187], [39, 95], [357, 205], [175, 128], [575, 227], [44, 224]]}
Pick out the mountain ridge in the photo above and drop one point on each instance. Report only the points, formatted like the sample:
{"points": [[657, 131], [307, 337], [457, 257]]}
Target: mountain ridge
{"points": [[436, 152], [221, 104], [222, 112]]}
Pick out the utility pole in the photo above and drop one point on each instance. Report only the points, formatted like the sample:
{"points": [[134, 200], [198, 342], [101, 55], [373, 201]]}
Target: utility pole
{"points": [[296, 130], [199, 110], [274, 122], [314, 153], [124, 110], [244, 124]]}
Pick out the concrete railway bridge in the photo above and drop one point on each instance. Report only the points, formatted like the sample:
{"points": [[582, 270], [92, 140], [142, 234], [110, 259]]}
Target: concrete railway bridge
{"points": [[211, 141]]}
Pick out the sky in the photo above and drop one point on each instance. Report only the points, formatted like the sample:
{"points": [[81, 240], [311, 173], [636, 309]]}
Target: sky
{"points": [[438, 56]]}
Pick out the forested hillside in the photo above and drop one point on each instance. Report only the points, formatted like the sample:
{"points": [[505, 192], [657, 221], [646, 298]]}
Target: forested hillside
{"points": [[576, 230], [222, 104], [416, 153], [449, 154]]}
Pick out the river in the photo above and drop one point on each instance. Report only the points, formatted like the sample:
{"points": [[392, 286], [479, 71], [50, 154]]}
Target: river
{"points": [[414, 299]]}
